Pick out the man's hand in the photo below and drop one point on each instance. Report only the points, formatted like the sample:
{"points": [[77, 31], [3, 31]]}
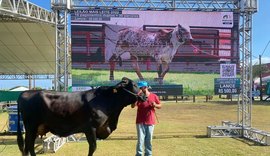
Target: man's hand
{"points": [[155, 105]]}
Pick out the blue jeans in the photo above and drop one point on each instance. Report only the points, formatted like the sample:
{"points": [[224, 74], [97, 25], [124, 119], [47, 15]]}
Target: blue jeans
{"points": [[145, 134]]}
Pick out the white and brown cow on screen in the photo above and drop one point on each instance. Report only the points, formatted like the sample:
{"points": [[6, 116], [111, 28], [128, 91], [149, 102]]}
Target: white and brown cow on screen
{"points": [[161, 45]]}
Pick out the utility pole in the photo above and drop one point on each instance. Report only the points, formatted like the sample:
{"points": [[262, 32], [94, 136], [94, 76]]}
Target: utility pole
{"points": [[30, 81], [260, 69]]}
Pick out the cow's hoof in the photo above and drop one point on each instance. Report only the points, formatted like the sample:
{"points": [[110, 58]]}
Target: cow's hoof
{"points": [[159, 80]]}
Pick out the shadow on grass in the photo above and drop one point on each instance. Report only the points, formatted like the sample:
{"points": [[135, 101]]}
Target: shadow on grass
{"points": [[180, 136], [160, 137], [38, 145], [224, 102], [9, 140], [248, 142], [263, 103]]}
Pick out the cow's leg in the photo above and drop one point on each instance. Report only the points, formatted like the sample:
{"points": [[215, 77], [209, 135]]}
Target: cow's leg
{"points": [[166, 69], [112, 66], [159, 70], [91, 139], [162, 70], [30, 137], [136, 67]]}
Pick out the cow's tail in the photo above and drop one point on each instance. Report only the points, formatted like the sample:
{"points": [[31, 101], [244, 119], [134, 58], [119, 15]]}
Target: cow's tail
{"points": [[19, 131]]}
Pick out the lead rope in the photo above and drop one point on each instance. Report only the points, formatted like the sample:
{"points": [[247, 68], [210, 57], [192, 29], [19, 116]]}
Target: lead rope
{"points": [[156, 116], [130, 92]]}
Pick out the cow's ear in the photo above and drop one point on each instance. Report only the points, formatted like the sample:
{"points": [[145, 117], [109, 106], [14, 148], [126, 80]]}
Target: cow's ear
{"points": [[179, 26], [114, 90], [125, 80]]}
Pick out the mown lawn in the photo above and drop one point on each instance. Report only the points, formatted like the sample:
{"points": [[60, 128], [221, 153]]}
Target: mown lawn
{"points": [[193, 83], [181, 131]]}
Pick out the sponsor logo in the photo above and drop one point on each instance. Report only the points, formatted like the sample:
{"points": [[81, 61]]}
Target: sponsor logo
{"points": [[227, 20]]}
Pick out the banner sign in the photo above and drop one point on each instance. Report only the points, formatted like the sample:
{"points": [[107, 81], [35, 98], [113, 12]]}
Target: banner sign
{"points": [[167, 90], [9, 95], [99, 15], [227, 86]]}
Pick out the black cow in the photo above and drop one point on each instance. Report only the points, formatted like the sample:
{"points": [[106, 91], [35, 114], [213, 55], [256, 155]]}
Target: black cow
{"points": [[94, 112]]}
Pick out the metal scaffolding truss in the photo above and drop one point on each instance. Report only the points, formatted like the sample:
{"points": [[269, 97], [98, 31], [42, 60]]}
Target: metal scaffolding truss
{"points": [[24, 10], [63, 58], [198, 5], [24, 77], [244, 109]]}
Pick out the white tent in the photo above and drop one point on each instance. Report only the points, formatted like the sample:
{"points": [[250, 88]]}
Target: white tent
{"points": [[19, 88]]}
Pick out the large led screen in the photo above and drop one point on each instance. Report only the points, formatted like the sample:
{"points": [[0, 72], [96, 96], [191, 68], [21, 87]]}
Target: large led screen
{"points": [[110, 42]]}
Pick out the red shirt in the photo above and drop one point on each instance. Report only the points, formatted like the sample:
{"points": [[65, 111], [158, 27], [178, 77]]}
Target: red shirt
{"points": [[146, 111]]}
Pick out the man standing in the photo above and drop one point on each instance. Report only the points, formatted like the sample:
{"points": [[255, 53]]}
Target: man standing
{"points": [[145, 119]]}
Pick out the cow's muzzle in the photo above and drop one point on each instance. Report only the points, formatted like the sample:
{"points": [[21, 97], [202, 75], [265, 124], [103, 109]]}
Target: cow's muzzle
{"points": [[139, 97], [142, 97]]}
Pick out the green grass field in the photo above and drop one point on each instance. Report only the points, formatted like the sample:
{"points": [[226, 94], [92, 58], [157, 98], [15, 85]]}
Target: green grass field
{"points": [[181, 131], [193, 83]]}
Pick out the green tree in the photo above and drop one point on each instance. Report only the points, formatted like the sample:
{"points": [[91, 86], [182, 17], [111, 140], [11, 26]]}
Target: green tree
{"points": [[256, 70]]}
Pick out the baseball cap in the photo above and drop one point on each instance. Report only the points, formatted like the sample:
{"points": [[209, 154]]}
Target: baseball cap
{"points": [[142, 84]]}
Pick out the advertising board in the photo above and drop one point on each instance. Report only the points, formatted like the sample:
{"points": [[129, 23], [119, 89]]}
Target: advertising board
{"points": [[227, 86], [167, 90]]}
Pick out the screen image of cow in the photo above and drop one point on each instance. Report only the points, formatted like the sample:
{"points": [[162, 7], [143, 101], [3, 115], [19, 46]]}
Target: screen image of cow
{"points": [[138, 44], [136, 41]]}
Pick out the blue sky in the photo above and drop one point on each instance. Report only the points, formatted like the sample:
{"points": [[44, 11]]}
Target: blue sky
{"points": [[261, 31], [261, 37]]}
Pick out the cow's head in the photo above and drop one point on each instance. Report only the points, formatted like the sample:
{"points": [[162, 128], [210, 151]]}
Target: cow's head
{"points": [[182, 34], [130, 90]]}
